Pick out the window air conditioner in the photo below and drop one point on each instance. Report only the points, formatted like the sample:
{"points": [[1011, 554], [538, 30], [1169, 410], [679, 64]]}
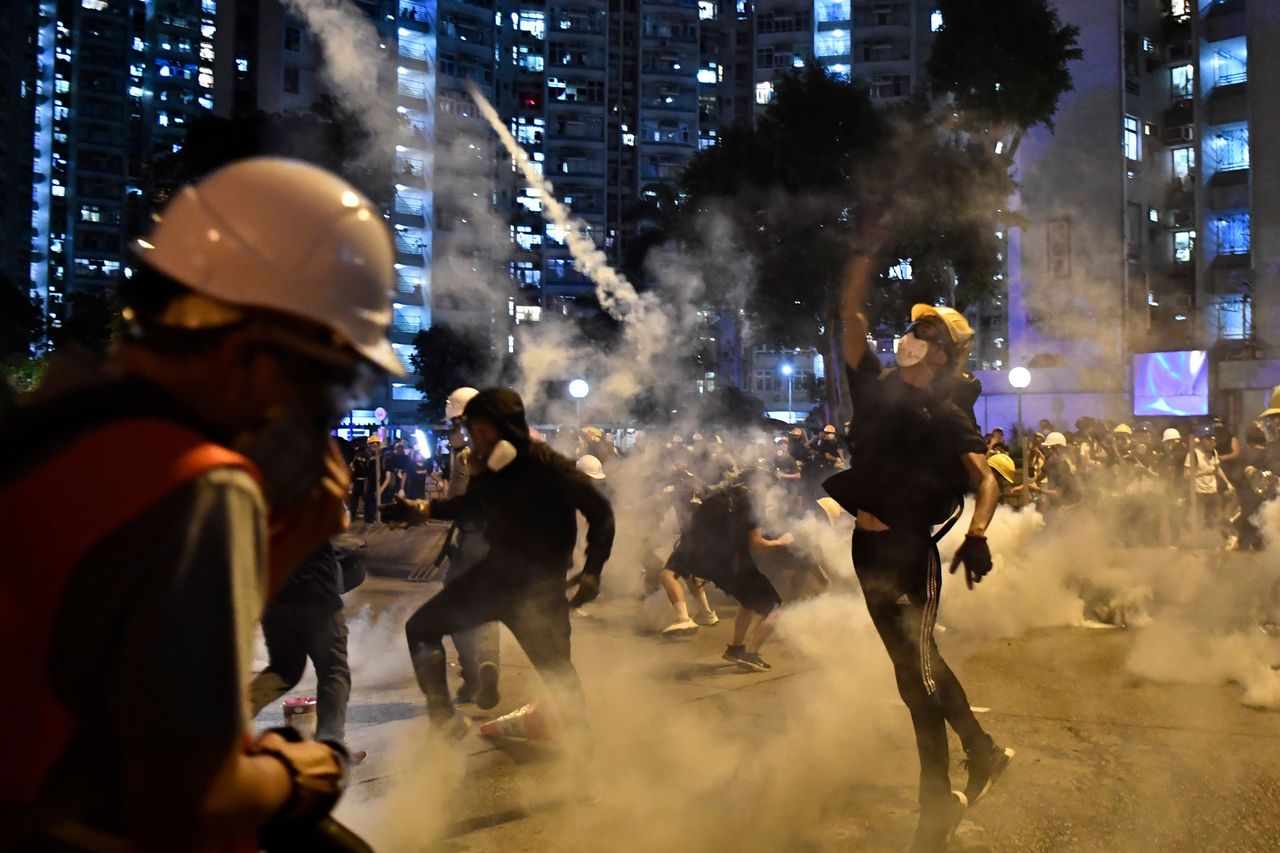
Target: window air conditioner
{"points": [[1178, 133]]}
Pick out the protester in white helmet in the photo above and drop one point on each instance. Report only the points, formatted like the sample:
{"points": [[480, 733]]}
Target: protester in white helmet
{"points": [[465, 546], [256, 316]]}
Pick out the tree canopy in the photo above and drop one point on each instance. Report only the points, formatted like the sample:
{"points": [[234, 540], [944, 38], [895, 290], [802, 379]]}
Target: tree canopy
{"points": [[445, 359]]}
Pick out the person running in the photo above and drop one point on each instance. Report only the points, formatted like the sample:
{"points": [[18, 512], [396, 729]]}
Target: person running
{"points": [[525, 495], [305, 620], [257, 314], [723, 531], [916, 450]]}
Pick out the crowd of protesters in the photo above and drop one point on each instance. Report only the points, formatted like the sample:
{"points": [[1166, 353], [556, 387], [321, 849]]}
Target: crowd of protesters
{"points": [[1197, 483]]}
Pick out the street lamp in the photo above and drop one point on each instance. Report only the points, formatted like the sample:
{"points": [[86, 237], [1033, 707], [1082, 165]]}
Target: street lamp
{"points": [[578, 389], [1020, 378], [787, 371]]}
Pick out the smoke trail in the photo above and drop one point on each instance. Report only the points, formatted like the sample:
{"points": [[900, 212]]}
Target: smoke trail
{"points": [[615, 293]]}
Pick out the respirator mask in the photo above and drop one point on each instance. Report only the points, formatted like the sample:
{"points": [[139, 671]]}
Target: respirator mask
{"points": [[502, 455], [911, 350]]}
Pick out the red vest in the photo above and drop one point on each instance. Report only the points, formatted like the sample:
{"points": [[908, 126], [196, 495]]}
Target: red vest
{"points": [[98, 486]]}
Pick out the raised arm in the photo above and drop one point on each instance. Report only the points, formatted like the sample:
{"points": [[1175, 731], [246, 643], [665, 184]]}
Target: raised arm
{"points": [[853, 297]]}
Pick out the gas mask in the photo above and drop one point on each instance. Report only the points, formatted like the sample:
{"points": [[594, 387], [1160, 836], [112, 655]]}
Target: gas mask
{"points": [[911, 350], [502, 455]]}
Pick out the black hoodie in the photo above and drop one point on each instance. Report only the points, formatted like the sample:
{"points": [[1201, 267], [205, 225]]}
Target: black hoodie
{"points": [[528, 508]]}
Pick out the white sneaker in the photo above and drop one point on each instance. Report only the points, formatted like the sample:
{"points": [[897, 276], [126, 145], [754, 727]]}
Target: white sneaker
{"points": [[709, 618], [680, 628]]}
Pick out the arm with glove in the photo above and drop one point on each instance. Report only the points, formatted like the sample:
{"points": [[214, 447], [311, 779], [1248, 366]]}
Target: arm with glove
{"points": [[975, 554], [598, 512]]}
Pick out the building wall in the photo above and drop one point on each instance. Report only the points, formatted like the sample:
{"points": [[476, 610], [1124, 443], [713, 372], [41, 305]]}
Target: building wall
{"points": [[17, 129]]}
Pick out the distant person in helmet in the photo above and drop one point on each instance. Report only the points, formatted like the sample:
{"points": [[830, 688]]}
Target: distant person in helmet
{"points": [[915, 452], [257, 315], [465, 546], [526, 496]]}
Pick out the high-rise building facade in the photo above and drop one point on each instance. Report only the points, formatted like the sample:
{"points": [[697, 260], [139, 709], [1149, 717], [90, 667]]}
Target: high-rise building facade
{"points": [[116, 83], [1151, 214], [18, 69]]}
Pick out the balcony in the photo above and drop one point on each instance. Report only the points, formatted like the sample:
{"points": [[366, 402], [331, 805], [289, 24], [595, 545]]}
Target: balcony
{"points": [[1231, 273], [412, 92], [1229, 103], [413, 55], [410, 252], [1229, 189], [410, 212], [415, 16]]}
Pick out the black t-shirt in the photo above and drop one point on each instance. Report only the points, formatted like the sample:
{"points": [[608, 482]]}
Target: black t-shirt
{"points": [[317, 580], [907, 448]]}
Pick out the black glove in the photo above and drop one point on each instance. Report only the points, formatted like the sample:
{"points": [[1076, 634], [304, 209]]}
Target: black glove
{"points": [[405, 512], [588, 590], [975, 555], [310, 801]]}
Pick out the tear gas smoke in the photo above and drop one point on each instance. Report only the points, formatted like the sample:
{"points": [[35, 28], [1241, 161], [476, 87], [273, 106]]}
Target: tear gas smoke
{"points": [[615, 293]]}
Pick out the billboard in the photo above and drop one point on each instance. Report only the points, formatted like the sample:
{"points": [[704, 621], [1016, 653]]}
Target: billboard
{"points": [[1171, 383]]}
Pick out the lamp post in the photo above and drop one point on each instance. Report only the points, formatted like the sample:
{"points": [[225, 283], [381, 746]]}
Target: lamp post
{"points": [[1020, 378], [787, 371], [578, 389]]}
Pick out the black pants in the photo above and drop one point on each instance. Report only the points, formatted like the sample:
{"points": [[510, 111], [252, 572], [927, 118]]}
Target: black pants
{"points": [[530, 601], [478, 645], [295, 632], [901, 579]]}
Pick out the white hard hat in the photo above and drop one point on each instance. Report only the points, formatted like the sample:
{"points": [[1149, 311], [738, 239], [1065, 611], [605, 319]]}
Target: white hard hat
{"points": [[1055, 439], [591, 466], [286, 236], [458, 401], [1171, 434]]}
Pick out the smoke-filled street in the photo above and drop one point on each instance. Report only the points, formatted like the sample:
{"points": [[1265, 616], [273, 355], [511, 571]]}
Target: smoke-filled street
{"points": [[816, 755]]}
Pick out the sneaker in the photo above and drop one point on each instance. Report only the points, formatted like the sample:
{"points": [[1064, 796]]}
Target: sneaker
{"points": [[938, 824], [466, 694], [708, 619], [681, 628], [985, 767], [486, 695], [733, 654], [753, 662]]}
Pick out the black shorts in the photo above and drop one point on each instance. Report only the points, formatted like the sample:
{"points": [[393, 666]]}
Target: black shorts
{"points": [[752, 590]]}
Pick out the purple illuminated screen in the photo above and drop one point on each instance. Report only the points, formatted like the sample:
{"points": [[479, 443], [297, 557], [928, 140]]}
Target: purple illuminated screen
{"points": [[1171, 383]]}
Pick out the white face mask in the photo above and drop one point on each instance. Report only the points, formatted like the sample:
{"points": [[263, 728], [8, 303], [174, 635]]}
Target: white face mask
{"points": [[502, 455], [911, 350]]}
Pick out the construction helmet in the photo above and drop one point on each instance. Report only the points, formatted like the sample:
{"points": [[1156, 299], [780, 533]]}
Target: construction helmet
{"points": [[1002, 464], [1273, 408], [458, 401], [591, 466], [1123, 429], [958, 328], [283, 235], [1055, 439], [1171, 434]]}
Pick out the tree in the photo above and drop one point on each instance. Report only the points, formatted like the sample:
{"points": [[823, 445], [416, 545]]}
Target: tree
{"points": [[824, 163], [1004, 61], [446, 359], [21, 327]]}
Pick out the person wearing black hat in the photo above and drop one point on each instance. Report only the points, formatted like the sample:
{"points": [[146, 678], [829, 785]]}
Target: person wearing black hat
{"points": [[526, 495], [915, 452]]}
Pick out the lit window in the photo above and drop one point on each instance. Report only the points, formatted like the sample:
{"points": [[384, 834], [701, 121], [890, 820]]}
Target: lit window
{"points": [[1231, 232], [707, 76], [1184, 243], [242, 65], [511, 343], [1229, 148], [833, 10], [1233, 314], [206, 51], [1153, 214], [59, 190], [1180, 10], [706, 10], [1184, 162], [831, 43], [533, 23], [1182, 80], [935, 22], [764, 92], [96, 5], [1132, 139]]}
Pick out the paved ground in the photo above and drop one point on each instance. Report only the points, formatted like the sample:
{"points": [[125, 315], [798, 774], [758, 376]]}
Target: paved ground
{"points": [[816, 756]]}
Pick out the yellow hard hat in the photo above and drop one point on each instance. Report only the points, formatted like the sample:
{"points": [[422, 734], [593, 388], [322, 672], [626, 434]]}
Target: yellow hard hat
{"points": [[1002, 464], [957, 327], [831, 509], [1274, 407], [1123, 429]]}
